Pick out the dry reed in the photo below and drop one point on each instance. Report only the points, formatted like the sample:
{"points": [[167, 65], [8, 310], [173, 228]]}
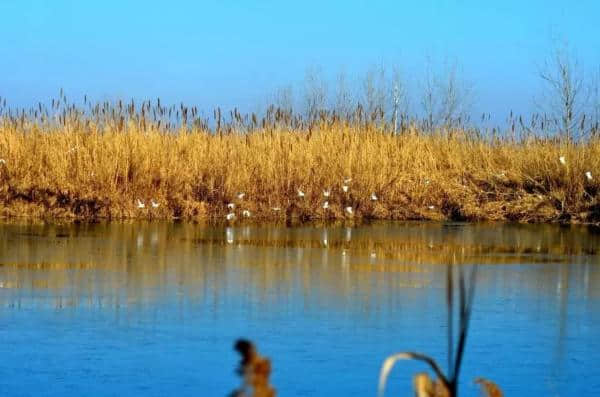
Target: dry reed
{"points": [[81, 167]]}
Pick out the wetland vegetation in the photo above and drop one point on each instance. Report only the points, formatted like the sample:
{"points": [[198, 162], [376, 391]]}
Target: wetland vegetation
{"points": [[126, 161]]}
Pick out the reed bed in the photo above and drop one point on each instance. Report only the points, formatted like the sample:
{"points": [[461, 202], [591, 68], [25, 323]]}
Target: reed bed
{"points": [[80, 166]]}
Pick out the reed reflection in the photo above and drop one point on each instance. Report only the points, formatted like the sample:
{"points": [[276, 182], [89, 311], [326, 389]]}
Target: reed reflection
{"points": [[122, 264]]}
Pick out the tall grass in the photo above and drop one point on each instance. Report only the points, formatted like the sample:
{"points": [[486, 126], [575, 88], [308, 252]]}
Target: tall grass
{"points": [[98, 164]]}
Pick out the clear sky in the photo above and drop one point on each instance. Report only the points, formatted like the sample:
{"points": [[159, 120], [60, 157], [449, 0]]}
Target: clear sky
{"points": [[237, 52]]}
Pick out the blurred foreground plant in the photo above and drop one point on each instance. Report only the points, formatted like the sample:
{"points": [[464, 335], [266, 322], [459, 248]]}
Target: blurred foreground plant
{"points": [[254, 370], [445, 385]]}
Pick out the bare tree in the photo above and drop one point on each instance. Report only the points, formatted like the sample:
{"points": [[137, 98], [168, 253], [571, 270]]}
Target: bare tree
{"points": [[446, 96], [455, 96], [564, 97], [343, 97], [399, 98], [429, 96], [376, 90], [283, 98], [595, 95], [315, 92]]}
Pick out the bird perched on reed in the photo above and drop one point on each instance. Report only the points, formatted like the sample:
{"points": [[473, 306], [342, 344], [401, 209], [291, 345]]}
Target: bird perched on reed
{"points": [[140, 204]]}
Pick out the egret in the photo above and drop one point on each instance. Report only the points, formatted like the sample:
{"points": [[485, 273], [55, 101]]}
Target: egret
{"points": [[562, 160], [240, 196], [374, 197], [230, 216], [231, 206], [345, 188], [140, 204], [246, 213], [154, 204], [588, 175], [300, 193], [326, 205], [431, 207], [2, 161], [326, 193], [349, 210], [276, 209]]}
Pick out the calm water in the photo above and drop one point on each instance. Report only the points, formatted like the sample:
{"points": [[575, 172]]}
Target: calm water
{"points": [[153, 309]]}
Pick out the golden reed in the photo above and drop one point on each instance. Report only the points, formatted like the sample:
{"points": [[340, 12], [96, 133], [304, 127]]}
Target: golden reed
{"points": [[82, 168]]}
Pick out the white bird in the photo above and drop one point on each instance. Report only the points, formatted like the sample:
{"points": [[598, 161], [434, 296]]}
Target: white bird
{"points": [[325, 242], [276, 209], [347, 180], [431, 207], [246, 213], [140, 204], [373, 255], [2, 161], [154, 204], [300, 193], [588, 175], [562, 160], [345, 188], [241, 196], [374, 197], [230, 216], [427, 181], [326, 193], [231, 206], [349, 210], [326, 205]]}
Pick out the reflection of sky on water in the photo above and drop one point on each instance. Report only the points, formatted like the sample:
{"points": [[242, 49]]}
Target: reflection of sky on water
{"points": [[155, 307]]}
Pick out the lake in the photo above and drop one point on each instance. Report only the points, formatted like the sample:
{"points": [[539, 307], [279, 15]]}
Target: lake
{"points": [[154, 309]]}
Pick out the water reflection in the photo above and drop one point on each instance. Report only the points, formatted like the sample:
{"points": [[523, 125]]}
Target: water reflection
{"points": [[308, 293], [142, 260]]}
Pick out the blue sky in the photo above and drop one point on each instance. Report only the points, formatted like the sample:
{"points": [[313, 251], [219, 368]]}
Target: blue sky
{"points": [[231, 53]]}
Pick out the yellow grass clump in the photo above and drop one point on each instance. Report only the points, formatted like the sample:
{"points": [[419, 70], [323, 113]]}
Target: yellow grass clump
{"points": [[88, 170]]}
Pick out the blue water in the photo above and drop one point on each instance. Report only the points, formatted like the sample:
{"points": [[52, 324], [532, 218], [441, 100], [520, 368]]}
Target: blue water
{"points": [[153, 309]]}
